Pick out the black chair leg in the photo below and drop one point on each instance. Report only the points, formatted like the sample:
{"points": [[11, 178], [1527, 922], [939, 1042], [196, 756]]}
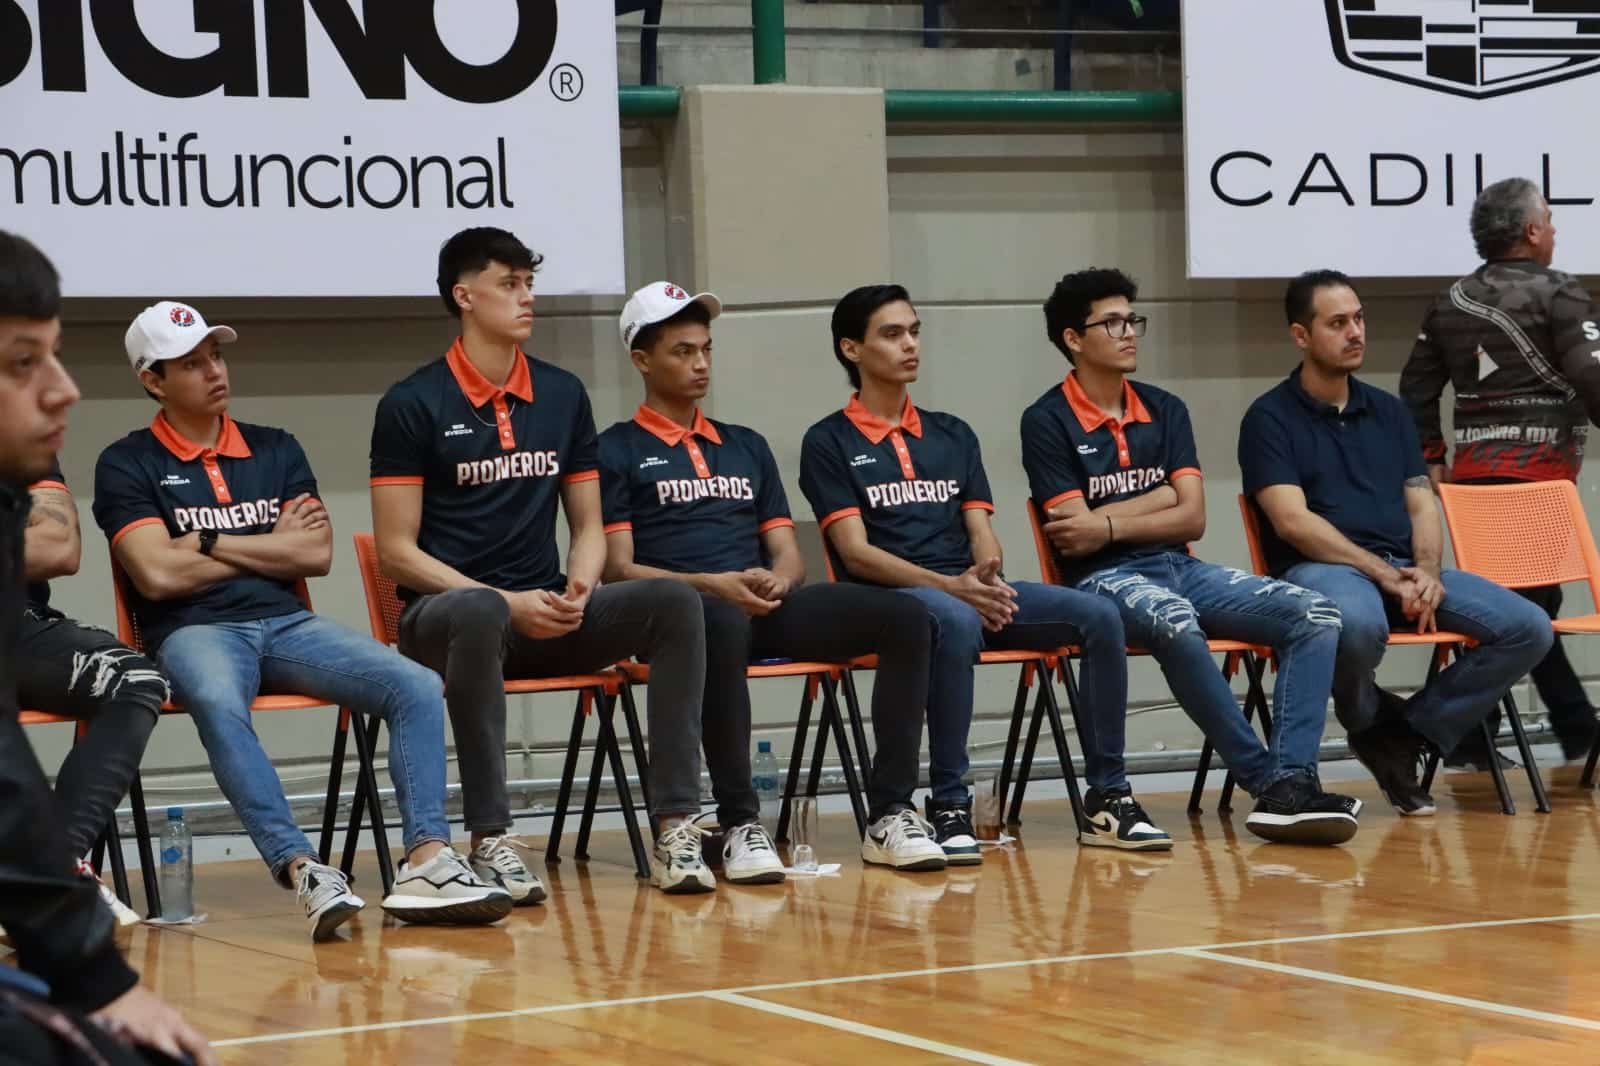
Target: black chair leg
{"points": [[330, 809], [841, 741], [569, 770], [1507, 804], [366, 743], [1025, 771], [858, 729], [1541, 798], [797, 754], [119, 865], [641, 761], [1587, 780], [630, 822], [147, 857], [1201, 772], [819, 749], [591, 795], [1063, 752], [1008, 764]]}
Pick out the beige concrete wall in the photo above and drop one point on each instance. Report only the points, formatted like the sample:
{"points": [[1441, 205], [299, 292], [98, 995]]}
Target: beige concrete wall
{"points": [[769, 200]]}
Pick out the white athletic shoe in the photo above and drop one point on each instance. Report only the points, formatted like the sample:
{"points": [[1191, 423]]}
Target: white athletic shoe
{"points": [[676, 863], [749, 857], [445, 891], [902, 840], [125, 915], [326, 896], [497, 862]]}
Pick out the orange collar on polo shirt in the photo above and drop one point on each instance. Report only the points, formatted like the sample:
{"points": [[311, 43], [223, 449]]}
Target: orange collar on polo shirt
{"points": [[1091, 417], [875, 429], [479, 390], [671, 434], [230, 444]]}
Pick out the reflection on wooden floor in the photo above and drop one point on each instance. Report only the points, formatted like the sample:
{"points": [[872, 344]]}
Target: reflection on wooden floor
{"points": [[1047, 953]]}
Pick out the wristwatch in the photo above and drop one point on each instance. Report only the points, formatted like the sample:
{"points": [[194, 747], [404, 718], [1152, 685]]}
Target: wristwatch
{"points": [[208, 540]]}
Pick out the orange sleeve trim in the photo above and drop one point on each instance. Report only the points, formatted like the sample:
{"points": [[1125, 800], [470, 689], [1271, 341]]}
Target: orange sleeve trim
{"points": [[1188, 471], [978, 505], [582, 475], [57, 485], [1062, 497], [380, 481], [619, 527], [135, 524], [847, 512], [776, 523]]}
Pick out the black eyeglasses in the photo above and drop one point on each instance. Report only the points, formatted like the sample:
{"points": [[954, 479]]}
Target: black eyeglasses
{"points": [[1118, 327]]}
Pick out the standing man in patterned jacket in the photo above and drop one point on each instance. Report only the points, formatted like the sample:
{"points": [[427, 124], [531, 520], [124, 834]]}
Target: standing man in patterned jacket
{"points": [[1520, 343]]}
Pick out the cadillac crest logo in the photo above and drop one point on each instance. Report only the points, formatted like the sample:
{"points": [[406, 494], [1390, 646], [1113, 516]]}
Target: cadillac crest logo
{"points": [[1471, 48]]}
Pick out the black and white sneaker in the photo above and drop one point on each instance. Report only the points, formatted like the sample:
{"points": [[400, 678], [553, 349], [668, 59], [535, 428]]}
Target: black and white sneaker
{"points": [[749, 857], [952, 828], [1114, 819], [1294, 810], [445, 891], [903, 840], [677, 862], [325, 894], [497, 861], [1390, 749]]}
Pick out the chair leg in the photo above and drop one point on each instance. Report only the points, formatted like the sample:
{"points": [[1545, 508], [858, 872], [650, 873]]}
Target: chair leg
{"points": [[569, 770], [858, 729], [1063, 753], [819, 750], [1255, 698], [119, 865], [841, 741], [1507, 804], [1025, 771], [1587, 780], [591, 797], [1201, 772], [1008, 764], [802, 730], [330, 809], [641, 761], [366, 743], [1541, 799], [147, 858], [630, 821]]}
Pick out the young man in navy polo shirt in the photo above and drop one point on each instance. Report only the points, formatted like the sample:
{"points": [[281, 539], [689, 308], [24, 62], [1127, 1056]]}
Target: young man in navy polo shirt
{"points": [[1337, 468], [904, 502], [471, 456], [702, 502], [214, 522], [1112, 465]]}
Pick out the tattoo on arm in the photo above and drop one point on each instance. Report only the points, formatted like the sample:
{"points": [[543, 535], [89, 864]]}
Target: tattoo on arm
{"points": [[1421, 481]]}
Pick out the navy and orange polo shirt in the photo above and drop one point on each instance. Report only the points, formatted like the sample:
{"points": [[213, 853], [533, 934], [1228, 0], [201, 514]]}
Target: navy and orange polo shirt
{"points": [[39, 591], [491, 461], [156, 476], [1073, 449], [908, 483], [696, 500]]}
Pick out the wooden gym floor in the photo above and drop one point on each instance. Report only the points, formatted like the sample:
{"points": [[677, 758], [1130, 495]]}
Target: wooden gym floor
{"points": [[1470, 937]]}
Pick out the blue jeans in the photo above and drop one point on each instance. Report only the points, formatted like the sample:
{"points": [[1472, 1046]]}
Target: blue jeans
{"points": [[1512, 636], [1171, 603], [1047, 617], [216, 670]]}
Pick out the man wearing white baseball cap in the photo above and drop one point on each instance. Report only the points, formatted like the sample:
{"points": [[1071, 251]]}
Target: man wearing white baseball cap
{"points": [[702, 502], [216, 522]]}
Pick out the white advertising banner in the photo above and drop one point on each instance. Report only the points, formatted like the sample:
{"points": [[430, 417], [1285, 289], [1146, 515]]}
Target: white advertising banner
{"points": [[172, 148], [1354, 134]]}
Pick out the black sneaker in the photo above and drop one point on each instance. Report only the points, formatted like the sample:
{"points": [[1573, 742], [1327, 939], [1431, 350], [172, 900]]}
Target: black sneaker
{"points": [[952, 828], [1476, 760], [1390, 749], [1293, 810], [1114, 819], [1577, 735]]}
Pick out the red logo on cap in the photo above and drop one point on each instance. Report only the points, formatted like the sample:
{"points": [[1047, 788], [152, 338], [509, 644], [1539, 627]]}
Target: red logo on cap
{"points": [[675, 293], [182, 316]]}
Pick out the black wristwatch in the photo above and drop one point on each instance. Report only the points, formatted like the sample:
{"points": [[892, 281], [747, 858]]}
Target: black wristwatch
{"points": [[208, 540]]}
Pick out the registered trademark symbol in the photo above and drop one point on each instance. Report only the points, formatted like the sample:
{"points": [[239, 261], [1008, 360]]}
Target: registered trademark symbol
{"points": [[566, 82]]}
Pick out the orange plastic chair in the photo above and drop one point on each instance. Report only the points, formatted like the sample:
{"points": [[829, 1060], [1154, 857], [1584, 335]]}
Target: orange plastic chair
{"points": [[1528, 535], [1235, 654], [128, 631], [598, 689], [1444, 644]]}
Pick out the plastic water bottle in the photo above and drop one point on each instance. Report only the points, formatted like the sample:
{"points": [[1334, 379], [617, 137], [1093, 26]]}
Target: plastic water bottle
{"points": [[764, 776], [177, 868]]}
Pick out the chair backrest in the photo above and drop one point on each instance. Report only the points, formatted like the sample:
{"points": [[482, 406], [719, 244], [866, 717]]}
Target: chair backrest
{"points": [[383, 599], [1251, 518], [128, 629], [1522, 535], [1048, 570]]}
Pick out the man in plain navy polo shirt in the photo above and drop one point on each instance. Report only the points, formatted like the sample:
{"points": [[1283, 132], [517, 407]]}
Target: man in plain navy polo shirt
{"points": [[1336, 467]]}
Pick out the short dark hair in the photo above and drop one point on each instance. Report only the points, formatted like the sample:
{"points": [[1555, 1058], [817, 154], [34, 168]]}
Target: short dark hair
{"points": [[1069, 304], [1300, 299], [29, 285], [647, 336], [853, 314], [473, 249]]}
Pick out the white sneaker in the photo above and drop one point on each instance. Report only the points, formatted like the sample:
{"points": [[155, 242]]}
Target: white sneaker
{"points": [[497, 862], [749, 857], [676, 864], [902, 840], [445, 891], [124, 914], [326, 896]]}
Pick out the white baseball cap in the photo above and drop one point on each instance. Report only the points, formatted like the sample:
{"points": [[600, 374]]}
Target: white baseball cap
{"points": [[168, 330], [657, 302]]}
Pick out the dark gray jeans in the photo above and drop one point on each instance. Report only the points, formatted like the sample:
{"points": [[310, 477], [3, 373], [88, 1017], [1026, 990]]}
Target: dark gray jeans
{"points": [[466, 636]]}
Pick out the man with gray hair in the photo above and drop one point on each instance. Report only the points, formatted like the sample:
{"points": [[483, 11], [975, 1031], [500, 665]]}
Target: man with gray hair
{"points": [[1520, 343]]}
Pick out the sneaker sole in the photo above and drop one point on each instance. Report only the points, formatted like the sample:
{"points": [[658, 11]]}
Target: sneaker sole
{"points": [[931, 862], [427, 910], [684, 887], [1419, 812], [1322, 829], [1095, 840], [755, 877], [329, 921], [964, 858], [534, 896]]}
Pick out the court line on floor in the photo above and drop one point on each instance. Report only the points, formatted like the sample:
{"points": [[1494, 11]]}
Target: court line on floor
{"points": [[860, 1029], [823, 982], [1397, 990]]}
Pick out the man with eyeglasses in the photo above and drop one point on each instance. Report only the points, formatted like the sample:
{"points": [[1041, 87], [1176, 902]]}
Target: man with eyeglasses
{"points": [[1113, 469]]}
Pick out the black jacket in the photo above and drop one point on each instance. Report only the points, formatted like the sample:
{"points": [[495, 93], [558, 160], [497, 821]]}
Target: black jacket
{"points": [[61, 930]]}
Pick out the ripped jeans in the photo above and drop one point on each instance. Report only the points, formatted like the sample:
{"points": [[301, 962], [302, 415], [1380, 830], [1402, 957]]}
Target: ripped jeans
{"points": [[1172, 603]]}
